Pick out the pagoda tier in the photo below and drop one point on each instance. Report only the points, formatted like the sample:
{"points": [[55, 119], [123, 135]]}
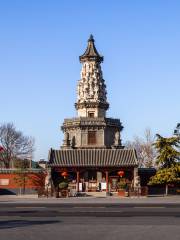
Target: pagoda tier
{"points": [[86, 132]]}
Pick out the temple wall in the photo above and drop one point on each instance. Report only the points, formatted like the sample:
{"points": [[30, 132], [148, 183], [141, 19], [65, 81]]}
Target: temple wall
{"points": [[13, 183]]}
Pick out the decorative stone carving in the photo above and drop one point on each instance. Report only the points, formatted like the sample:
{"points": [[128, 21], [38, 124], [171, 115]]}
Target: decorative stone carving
{"points": [[73, 142], [91, 87], [117, 138], [66, 142], [48, 180], [66, 137]]}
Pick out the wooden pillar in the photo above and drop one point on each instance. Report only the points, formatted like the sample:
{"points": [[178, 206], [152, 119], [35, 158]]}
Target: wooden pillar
{"points": [[107, 182], [77, 180]]}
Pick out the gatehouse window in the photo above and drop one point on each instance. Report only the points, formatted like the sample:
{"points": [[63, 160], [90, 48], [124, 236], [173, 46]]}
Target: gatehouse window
{"points": [[91, 137]]}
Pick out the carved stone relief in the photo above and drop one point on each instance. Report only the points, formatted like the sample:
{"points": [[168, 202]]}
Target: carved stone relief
{"points": [[91, 87]]}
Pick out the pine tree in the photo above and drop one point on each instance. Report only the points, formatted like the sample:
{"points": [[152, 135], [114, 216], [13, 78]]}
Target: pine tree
{"points": [[167, 176], [168, 160], [167, 149]]}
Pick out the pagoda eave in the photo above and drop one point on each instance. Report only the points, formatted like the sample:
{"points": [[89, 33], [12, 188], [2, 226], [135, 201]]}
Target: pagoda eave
{"points": [[82, 105]]}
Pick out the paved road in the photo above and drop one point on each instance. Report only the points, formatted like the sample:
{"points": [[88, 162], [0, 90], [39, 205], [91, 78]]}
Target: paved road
{"points": [[35, 199], [89, 221]]}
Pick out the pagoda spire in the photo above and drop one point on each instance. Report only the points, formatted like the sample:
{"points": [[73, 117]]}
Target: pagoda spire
{"points": [[91, 89], [91, 53]]}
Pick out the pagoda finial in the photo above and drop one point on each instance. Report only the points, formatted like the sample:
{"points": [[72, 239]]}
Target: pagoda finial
{"points": [[91, 53], [91, 38]]}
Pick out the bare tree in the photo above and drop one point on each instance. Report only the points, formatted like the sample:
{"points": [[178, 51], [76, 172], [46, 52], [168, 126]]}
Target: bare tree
{"points": [[14, 144], [144, 147]]}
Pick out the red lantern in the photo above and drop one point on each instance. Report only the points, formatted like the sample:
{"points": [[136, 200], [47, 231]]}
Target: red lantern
{"points": [[64, 174], [121, 173], [1, 149]]}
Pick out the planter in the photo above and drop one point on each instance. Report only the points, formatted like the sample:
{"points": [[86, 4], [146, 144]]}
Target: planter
{"points": [[57, 194], [126, 194], [121, 192], [64, 193]]}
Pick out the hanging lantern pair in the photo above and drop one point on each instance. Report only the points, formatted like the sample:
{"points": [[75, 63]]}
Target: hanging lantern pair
{"points": [[121, 173]]}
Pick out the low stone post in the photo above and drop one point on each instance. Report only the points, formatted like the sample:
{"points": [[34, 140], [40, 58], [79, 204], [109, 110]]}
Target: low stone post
{"points": [[77, 180], [107, 183]]}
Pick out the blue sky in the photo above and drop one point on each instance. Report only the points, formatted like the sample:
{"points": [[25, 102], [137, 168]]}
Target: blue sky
{"points": [[40, 42]]}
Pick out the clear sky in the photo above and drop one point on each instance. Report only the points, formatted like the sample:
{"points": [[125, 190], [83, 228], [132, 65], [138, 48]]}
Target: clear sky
{"points": [[41, 40]]}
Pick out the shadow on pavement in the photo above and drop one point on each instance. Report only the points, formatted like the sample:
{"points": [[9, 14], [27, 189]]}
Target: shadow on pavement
{"points": [[22, 223], [7, 192]]}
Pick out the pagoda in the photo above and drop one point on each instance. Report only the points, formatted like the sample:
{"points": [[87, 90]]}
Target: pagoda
{"points": [[92, 154], [91, 129]]}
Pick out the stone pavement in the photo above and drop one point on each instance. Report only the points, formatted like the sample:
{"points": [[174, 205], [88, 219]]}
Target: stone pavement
{"points": [[84, 200]]}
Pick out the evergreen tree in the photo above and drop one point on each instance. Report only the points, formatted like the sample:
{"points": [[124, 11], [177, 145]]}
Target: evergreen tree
{"points": [[168, 160], [167, 176], [167, 149]]}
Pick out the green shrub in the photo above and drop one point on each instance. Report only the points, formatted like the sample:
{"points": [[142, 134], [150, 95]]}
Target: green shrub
{"points": [[63, 185], [121, 184]]}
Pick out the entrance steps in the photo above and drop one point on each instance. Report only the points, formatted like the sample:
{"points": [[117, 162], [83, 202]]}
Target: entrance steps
{"points": [[96, 194]]}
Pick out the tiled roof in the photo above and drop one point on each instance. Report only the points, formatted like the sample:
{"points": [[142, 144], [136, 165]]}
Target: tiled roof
{"points": [[93, 157], [91, 52]]}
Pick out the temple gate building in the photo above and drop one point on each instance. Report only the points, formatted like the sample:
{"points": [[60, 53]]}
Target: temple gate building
{"points": [[92, 154]]}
